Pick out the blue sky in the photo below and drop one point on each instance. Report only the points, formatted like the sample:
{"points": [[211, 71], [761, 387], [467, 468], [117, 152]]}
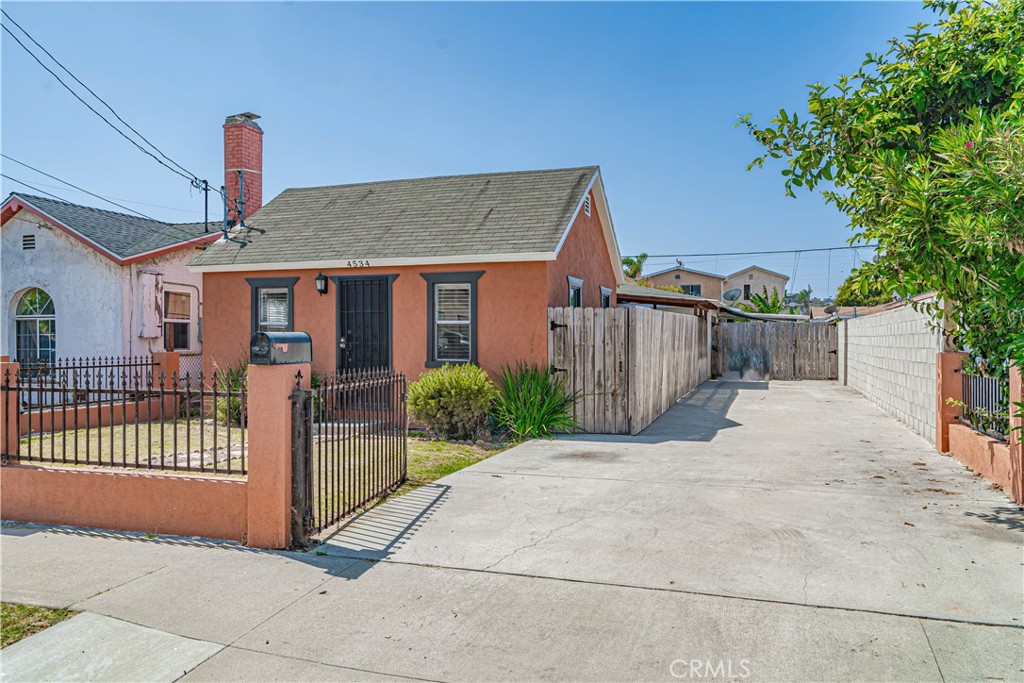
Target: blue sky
{"points": [[355, 92]]}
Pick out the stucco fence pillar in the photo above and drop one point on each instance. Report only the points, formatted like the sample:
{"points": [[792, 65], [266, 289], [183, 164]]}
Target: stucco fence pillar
{"points": [[10, 429], [948, 386], [1016, 435], [270, 452]]}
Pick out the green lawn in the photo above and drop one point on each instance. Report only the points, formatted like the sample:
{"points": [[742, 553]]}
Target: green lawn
{"points": [[21, 621], [430, 460]]}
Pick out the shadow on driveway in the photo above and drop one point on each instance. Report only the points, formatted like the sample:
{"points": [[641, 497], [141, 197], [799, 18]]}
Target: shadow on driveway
{"points": [[699, 416]]}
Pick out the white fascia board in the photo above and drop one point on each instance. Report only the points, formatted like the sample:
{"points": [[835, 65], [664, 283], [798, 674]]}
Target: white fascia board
{"points": [[357, 264]]}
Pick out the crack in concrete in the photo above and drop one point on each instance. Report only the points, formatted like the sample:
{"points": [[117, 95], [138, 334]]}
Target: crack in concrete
{"points": [[534, 544]]}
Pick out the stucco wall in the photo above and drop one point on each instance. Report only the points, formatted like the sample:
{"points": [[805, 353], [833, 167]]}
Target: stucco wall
{"points": [[710, 287], [758, 281], [85, 288], [511, 313], [173, 275], [890, 359], [584, 255]]}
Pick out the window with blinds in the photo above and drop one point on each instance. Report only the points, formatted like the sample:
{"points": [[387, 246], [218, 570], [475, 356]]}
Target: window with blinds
{"points": [[452, 324], [177, 320], [274, 309]]}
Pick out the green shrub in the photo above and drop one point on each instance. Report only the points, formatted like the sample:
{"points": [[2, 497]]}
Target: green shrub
{"points": [[453, 401], [532, 402], [233, 378]]}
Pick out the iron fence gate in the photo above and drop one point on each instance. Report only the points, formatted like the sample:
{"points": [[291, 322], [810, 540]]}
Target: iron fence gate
{"points": [[349, 446]]}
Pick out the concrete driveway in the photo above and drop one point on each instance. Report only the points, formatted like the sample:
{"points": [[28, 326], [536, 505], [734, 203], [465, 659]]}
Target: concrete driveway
{"points": [[782, 532]]}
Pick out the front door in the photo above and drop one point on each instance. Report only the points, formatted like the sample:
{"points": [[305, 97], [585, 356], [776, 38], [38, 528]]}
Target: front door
{"points": [[364, 322]]}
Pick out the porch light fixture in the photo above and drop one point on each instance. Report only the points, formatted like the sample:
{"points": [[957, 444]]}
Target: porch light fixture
{"points": [[321, 283]]}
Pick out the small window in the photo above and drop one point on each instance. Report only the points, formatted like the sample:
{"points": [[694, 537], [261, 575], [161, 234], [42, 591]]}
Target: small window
{"points": [[586, 205], [272, 304], [451, 317], [273, 310], [606, 297], [28, 241], [746, 292], [678, 276], [575, 292], [452, 324], [177, 320], [692, 290], [750, 276]]}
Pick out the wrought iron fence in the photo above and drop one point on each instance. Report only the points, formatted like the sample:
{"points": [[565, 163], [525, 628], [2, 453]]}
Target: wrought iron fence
{"points": [[351, 434], [986, 404], [99, 372], [126, 416]]}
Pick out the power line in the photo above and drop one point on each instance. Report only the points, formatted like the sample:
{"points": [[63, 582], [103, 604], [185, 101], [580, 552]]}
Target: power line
{"points": [[161, 227], [120, 132], [125, 200], [93, 93], [92, 194], [756, 253]]}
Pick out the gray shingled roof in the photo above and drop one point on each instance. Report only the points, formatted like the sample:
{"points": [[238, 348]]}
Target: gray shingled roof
{"points": [[467, 215], [121, 234]]}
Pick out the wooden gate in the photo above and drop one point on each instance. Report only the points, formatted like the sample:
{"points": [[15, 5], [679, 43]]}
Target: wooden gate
{"points": [[627, 365], [776, 350]]}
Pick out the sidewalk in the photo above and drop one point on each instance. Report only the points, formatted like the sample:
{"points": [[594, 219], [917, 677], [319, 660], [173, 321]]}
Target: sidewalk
{"points": [[731, 531]]}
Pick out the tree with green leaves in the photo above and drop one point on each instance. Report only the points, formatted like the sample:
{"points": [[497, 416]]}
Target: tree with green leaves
{"points": [[763, 303], [922, 147], [633, 266], [850, 294]]}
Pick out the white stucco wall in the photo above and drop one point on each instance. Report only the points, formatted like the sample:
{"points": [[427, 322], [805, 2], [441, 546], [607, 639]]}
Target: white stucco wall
{"points": [[85, 288], [172, 275], [890, 358], [100, 307]]}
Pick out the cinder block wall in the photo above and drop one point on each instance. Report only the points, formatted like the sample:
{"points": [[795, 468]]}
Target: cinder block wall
{"points": [[890, 359]]}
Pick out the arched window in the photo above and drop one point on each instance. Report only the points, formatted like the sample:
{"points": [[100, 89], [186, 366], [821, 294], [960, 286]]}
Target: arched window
{"points": [[36, 325]]}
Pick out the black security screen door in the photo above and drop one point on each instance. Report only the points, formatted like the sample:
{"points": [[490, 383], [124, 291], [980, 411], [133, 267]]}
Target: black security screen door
{"points": [[364, 322]]}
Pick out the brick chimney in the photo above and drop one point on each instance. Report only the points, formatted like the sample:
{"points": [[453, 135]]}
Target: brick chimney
{"points": [[243, 151]]}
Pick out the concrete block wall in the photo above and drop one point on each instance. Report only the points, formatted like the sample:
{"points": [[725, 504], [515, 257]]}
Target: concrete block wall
{"points": [[890, 358]]}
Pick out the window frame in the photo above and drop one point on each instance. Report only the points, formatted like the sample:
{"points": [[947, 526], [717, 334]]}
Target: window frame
{"points": [[187, 322], [606, 295], [34, 319], [259, 283], [577, 284], [434, 279], [688, 290], [746, 292]]}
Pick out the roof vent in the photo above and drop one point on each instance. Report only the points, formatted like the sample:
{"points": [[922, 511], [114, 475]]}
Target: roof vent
{"points": [[586, 205], [28, 241]]}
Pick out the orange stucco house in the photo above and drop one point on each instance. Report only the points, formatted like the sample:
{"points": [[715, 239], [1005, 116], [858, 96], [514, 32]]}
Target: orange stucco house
{"points": [[409, 274]]}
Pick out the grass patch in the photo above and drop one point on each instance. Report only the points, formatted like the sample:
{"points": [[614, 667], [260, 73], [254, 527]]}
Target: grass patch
{"points": [[430, 460], [21, 621]]}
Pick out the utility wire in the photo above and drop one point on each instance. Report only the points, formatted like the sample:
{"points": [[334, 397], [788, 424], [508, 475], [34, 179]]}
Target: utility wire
{"points": [[125, 200], [93, 93], [163, 226], [33, 187], [120, 132], [755, 253], [92, 194]]}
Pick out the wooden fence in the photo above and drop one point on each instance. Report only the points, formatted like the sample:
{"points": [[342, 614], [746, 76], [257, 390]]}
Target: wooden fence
{"points": [[628, 365], [776, 350]]}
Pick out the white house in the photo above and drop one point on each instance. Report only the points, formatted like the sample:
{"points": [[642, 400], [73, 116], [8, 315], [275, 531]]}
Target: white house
{"points": [[79, 281]]}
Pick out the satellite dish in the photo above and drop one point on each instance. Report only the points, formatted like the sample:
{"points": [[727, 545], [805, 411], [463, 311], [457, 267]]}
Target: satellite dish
{"points": [[831, 308], [732, 295]]}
